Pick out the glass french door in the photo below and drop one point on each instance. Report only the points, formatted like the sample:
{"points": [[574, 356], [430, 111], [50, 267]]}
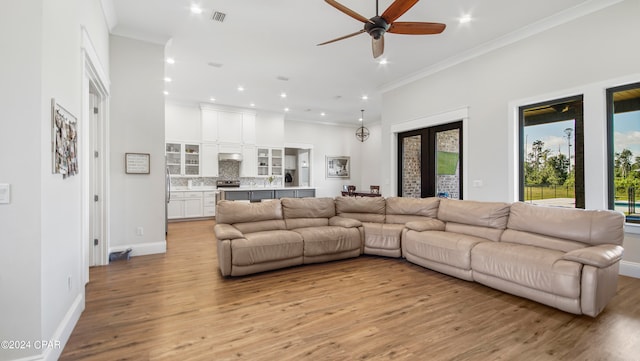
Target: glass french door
{"points": [[430, 162]]}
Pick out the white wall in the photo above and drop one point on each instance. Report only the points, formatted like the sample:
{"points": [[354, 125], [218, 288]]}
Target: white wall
{"points": [[574, 58], [137, 126], [40, 249], [20, 221], [333, 140]]}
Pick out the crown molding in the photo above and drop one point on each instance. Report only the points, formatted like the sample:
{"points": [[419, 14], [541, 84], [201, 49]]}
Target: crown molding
{"points": [[532, 29]]}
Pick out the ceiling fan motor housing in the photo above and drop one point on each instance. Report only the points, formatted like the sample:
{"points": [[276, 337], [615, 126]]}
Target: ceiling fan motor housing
{"points": [[377, 27]]}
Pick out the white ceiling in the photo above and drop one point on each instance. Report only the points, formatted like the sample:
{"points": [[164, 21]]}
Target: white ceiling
{"points": [[261, 40]]}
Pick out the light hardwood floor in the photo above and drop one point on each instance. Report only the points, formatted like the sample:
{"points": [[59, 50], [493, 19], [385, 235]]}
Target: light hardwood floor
{"points": [[177, 307]]}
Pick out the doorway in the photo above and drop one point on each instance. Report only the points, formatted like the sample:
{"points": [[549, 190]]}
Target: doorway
{"points": [[430, 162], [94, 160]]}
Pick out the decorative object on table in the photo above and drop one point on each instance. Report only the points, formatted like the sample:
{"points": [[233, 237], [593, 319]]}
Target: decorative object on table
{"points": [[64, 141], [338, 167], [270, 179], [362, 133], [137, 163]]}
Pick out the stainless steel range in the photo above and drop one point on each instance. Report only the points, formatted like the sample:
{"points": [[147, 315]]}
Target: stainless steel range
{"points": [[228, 184]]}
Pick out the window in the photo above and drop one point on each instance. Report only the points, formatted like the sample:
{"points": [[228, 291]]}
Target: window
{"points": [[552, 153], [623, 128], [430, 162]]}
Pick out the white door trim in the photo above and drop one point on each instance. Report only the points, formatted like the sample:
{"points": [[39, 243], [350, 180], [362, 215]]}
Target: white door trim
{"points": [[94, 80]]}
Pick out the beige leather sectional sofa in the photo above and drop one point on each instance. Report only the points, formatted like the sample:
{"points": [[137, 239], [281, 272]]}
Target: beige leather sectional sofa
{"points": [[564, 258]]}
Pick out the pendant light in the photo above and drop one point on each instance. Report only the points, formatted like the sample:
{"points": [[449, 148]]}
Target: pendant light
{"points": [[362, 133]]}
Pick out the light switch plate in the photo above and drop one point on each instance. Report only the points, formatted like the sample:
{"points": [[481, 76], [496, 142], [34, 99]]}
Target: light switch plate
{"points": [[5, 193]]}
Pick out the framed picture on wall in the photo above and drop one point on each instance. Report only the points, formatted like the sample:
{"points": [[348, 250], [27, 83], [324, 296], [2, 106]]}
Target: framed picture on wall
{"points": [[338, 167], [64, 141], [136, 163]]}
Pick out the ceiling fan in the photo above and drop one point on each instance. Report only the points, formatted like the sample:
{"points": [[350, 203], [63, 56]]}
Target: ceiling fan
{"points": [[380, 24]]}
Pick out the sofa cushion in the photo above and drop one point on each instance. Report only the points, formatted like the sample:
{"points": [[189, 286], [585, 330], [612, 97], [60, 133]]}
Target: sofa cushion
{"points": [[489, 233], [364, 209], [382, 236], [453, 249], [308, 208], [401, 210], [266, 246], [533, 267], [538, 240], [231, 212], [588, 226], [329, 240], [484, 214], [259, 226]]}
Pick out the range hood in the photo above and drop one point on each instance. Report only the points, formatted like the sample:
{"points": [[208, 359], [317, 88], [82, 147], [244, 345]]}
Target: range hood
{"points": [[235, 157]]}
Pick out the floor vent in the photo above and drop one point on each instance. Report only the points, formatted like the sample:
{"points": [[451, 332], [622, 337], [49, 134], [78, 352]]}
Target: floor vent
{"points": [[218, 16]]}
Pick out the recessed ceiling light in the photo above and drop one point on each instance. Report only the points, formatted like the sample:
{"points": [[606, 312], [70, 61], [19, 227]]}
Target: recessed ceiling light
{"points": [[323, 114], [240, 88], [171, 61], [166, 92], [283, 95], [359, 119], [167, 79], [252, 105], [212, 99], [286, 109], [383, 61], [365, 97], [465, 19], [196, 9]]}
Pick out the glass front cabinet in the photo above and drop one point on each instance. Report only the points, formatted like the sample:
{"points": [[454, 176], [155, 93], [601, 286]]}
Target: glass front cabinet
{"points": [[183, 159], [270, 161]]}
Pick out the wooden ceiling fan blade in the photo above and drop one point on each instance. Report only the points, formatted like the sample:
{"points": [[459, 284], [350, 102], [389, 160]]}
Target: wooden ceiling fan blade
{"points": [[342, 37], [416, 28], [377, 45], [396, 9], [347, 11]]}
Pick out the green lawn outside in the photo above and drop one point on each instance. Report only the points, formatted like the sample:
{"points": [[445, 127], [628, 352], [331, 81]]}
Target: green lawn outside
{"points": [[447, 163], [533, 193]]}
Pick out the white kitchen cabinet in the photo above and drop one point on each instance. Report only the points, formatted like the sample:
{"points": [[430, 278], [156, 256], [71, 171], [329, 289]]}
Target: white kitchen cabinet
{"points": [[230, 127], [175, 208], [270, 161], [209, 119], [249, 165], [209, 204], [209, 160], [248, 128], [191, 204], [183, 159]]}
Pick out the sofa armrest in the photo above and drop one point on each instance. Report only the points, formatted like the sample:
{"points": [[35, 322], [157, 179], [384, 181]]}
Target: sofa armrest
{"points": [[226, 231], [600, 256], [344, 222], [426, 225]]}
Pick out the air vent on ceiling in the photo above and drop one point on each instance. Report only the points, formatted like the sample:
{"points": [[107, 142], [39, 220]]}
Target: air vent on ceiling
{"points": [[218, 16]]}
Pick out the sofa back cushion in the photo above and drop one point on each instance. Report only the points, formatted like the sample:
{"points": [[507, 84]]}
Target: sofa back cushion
{"points": [[489, 233], [580, 225], [401, 210], [307, 212], [251, 217], [231, 212], [364, 209], [538, 240], [484, 214]]}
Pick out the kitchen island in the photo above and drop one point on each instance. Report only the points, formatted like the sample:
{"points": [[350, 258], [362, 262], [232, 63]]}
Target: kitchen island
{"points": [[257, 194]]}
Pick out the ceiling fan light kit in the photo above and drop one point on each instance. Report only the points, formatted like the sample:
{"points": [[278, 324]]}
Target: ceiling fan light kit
{"points": [[378, 25]]}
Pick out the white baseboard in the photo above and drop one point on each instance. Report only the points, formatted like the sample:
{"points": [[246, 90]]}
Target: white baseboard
{"points": [[61, 335], [631, 269], [142, 249]]}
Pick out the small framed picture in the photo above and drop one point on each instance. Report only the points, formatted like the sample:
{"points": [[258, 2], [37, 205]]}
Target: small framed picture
{"points": [[137, 163], [338, 167]]}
